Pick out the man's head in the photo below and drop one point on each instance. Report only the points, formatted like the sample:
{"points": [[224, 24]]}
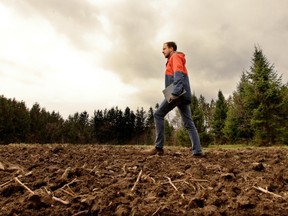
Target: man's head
{"points": [[169, 48]]}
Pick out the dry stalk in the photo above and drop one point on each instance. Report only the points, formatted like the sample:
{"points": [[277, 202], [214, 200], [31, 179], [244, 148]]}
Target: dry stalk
{"points": [[2, 166], [67, 192], [48, 192], [193, 187], [175, 181], [93, 169], [11, 180], [201, 186], [266, 191], [6, 183], [23, 185], [68, 184], [156, 211], [123, 168], [169, 179], [84, 165], [199, 180], [66, 172], [138, 178], [154, 181], [29, 173], [81, 212], [60, 200]]}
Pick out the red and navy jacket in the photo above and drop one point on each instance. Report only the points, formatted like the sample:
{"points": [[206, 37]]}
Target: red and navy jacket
{"points": [[177, 74]]}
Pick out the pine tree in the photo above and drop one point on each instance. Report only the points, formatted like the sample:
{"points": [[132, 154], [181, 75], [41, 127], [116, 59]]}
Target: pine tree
{"points": [[219, 118], [14, 121], [258, 106], [264, 97], [150, 126], [237, 125]]}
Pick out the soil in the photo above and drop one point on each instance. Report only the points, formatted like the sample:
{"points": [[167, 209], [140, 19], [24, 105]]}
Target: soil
{"points": [[120, 180]]}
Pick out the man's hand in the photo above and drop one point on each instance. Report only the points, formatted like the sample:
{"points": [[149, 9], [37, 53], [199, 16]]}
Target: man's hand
{"points": [[173, 97]]}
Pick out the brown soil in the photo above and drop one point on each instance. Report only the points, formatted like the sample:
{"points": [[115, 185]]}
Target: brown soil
{"points": [[109, 180]]}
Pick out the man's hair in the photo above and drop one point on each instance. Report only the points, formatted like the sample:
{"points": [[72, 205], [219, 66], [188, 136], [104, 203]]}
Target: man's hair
{"points": [[172, 44]]}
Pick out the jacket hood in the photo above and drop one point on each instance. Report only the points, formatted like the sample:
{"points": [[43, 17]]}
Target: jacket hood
{"points": [[181, 55]]}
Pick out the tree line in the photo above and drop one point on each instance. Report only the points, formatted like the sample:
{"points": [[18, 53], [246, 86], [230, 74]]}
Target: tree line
{"points": [[256, 114]]}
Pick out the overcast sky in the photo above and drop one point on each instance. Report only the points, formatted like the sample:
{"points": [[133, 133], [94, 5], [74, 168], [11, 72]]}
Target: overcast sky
{"points": [[82, 55]]}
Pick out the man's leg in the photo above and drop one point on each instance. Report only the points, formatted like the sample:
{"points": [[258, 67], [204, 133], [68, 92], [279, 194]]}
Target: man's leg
{"points": [[186, 115], [159, 115]]}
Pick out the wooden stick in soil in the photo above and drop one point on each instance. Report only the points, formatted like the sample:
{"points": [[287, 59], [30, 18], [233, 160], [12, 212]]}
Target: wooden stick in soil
{"points": [[138, 178], [23, 185], [266, 191], [81, 212], [11, 180], [199, 180], [6, 183], [175, 181], [169, 179], [60, 200], [156, 211], [67, 192]]}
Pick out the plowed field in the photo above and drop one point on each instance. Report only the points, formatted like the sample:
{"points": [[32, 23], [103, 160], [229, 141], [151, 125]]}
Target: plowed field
{"points": [[108, 180]]}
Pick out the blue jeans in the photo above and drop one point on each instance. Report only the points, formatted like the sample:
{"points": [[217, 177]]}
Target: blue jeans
{"points": [[185, 112]]}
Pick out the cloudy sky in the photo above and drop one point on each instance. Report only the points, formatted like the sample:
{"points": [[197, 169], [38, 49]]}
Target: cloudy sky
{"points": [[75, 55]]}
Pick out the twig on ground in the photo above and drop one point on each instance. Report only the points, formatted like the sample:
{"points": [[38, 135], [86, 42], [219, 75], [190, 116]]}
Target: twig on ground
{"points": [[169, 179], [154, 181], [67, 192], [81, 212], [6, 183], [29, 173], [48, 192], [138, 178], [23, 185], [123, 168], [266, 191], [2, 166], [93, 169], [68, 184], [11, 180], [199, 180], [156, 211], [66, 172], [60, 200], [200, 186], [175, 181]]}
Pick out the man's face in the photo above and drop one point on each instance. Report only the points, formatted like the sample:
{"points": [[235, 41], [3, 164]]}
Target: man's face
{"points": [[167, 51]]}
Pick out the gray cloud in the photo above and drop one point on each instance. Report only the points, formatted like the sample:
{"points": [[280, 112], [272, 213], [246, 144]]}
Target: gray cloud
{"points": [[73, 19], [218, 38], [134, 53]]}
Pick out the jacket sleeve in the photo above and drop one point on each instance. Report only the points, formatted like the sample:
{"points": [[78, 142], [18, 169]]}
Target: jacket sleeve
{"points": [[179, 74]]}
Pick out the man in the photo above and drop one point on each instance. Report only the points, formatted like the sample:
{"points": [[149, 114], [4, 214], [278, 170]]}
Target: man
{"points": [[177, 74]]}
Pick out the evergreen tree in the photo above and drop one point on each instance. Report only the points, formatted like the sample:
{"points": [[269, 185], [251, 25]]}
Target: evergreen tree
{"points": [[14, 121], [237, 125], [257, 110], [219, 118], [140, 124], [168, 132], [264, 97], [283, 129], [150, 126], [77, 128], [38, 117], [204, 134], [198, 117], [54, 128], [127, 127]]}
